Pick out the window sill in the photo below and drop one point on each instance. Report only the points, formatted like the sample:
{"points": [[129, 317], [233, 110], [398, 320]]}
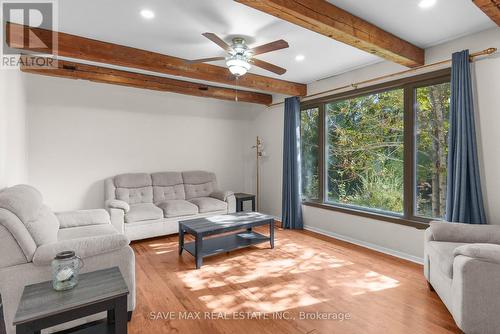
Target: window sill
{"points": [[421, 225]]}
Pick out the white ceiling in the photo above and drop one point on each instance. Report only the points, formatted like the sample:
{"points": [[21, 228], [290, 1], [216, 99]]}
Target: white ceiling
{"points": [[446, 20], [177, 27]]}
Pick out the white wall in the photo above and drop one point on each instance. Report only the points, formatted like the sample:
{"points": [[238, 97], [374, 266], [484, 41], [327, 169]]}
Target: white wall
{"points": [[400, 240], [269, 126], [13, 159], [80, 133]]}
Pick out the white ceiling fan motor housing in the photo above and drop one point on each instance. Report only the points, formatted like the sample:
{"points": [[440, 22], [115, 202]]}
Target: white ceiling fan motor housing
{"points": [[239, 60]]}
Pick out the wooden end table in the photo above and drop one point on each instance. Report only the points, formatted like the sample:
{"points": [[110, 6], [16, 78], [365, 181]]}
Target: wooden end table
{"points": [[103, 290]]}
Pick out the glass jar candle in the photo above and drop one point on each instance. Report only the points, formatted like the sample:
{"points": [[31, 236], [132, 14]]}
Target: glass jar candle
{"points": [[65, 269]]}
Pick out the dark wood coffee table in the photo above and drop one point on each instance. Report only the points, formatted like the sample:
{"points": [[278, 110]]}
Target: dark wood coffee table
{"points": [[203, 227], [103, 290]]}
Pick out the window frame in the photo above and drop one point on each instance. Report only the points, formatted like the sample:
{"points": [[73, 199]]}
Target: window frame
{"points": [[409, 86]]}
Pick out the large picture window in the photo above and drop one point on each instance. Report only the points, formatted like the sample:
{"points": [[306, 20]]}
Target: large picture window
{"points": [[364, 146], [380, 150]]}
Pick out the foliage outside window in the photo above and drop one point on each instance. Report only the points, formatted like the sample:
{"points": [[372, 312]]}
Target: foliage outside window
{"points": [[432, 109], [381, 151], [309, 145], [365, 151]]}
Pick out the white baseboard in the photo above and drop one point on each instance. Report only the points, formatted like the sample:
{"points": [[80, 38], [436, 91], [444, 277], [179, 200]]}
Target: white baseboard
{"points": [[369, 245]]}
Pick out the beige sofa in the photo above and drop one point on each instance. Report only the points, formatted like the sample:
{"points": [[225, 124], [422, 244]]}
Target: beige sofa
{"points": [[31, 235], [462, 264], [150, 205]]}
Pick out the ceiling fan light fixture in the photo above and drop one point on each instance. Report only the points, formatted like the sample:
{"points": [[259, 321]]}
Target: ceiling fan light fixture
{"points": [[238, 65]]}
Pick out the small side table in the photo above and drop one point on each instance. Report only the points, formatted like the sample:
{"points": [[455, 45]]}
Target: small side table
{"points": [[103, 290], [242, 197]]}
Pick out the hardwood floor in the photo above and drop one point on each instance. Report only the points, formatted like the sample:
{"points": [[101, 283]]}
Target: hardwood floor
{"points": [[304, 273]]}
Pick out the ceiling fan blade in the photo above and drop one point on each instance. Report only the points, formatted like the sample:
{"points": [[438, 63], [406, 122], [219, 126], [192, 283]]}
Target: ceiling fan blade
{"points": [[217, 40], [273, 46], [268, 66], [204, 60]]}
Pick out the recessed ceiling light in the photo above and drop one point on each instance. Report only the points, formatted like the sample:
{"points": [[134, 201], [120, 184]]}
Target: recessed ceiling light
{"points": [[147, 14], [300, 57], [426, 3]]}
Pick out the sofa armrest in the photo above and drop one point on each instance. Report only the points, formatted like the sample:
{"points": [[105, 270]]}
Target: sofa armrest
{"points": [[475, 280], [428, 236], [231, 204], [221, 194], [82, 218], [117, 204], [83, 247], [117, 219], [226, 196], [468, 233], [483, 252]]}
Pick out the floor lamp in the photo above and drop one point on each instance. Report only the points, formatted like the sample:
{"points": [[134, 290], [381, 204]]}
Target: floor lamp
{"points": [[259, 153]]}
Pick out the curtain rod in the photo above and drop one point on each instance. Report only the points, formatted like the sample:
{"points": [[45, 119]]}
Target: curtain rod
{"points": [[472, 56]]}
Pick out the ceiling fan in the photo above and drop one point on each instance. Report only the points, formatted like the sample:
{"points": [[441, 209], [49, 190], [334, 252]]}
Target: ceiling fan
{"points": [[240, 57]]}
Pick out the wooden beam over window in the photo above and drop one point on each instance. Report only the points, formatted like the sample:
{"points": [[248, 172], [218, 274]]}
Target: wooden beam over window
{"points": [[490, 8], [324, 18], [77, 47], [72, 70]]}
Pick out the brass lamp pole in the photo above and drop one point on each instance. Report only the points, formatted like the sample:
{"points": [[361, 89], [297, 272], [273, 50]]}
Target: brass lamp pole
{"points": [[258, 154]]}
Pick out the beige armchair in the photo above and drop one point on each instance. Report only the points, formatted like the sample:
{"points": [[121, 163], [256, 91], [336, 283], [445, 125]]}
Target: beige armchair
{"points": [[31, 235], [462, 264]]}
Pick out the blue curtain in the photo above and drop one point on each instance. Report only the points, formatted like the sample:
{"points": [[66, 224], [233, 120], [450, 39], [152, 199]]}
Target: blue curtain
{"points": [[464, 201], [291, 202]]}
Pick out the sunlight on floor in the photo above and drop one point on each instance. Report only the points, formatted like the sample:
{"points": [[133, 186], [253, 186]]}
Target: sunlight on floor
{"points": [[287, 276], [163, 248], [371, 282], [258, 264], [274, 298]]}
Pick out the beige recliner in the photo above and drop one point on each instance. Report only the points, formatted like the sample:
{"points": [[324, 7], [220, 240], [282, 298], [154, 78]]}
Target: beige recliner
{"points": [[31, 235], [462, 264]]}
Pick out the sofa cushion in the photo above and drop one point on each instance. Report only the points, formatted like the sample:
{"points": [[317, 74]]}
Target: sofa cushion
{"points": [[175, 208], [199, 183], [165, 193], [443, 253], [85, 231], [133, 180], [167, 186], [468, 233], [209, 204], [12, 253], [135, 195], [143, 211], [44, 228], [166, 179], [84, 247], [83, 217], [19, 232], [483, 252], [22, 200]]}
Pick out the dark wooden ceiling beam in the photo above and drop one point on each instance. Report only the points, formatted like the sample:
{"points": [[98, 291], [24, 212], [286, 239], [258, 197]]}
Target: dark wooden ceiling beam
{"points": [[324, 18], [73, 70], [77, 47], [490, 8]]}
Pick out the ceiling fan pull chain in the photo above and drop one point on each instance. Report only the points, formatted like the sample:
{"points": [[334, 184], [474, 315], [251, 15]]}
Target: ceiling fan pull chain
{"points": [[236, 89]]}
